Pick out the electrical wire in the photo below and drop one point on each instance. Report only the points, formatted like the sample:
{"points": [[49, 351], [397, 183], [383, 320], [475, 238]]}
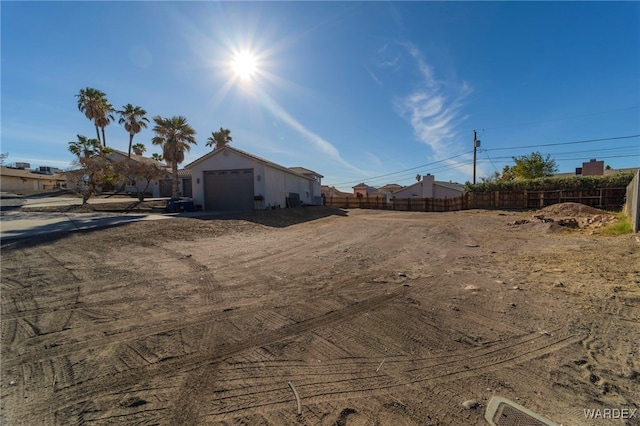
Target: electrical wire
{"points": [[460, 165], [565, 143], [405, 170]]}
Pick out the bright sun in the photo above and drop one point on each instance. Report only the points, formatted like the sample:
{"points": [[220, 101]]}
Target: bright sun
{"points": [[244, 65]]}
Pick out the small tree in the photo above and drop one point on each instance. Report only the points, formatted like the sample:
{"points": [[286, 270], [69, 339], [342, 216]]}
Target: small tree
{"points": [[157, 157], [140, 174], [93, 170], [533, 166]]}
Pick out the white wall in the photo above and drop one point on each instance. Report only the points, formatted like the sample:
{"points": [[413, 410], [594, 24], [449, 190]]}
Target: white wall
{"points": [[272, 183], [444, 192]]}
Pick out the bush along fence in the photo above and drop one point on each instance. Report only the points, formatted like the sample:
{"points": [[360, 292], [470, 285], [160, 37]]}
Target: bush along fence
{"points": [[603, 198]]}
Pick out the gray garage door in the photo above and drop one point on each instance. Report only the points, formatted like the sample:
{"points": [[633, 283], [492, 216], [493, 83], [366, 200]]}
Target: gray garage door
{"points": [[228, 190]]}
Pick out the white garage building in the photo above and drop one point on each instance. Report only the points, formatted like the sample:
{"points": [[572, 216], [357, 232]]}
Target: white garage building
{"points": [[228, 179]]}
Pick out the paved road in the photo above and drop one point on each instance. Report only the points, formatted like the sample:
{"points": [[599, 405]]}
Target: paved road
{"points": [[15, 223]]}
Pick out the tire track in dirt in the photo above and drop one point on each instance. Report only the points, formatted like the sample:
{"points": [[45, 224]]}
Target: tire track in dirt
{"points": [[34, 312], [201, 317], [211, 288], [357, 383], [123, 380]]}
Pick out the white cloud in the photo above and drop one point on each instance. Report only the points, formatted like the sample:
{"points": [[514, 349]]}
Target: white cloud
{"points": [[320, 143], [374, 77], [433, 109], [387, 61]]}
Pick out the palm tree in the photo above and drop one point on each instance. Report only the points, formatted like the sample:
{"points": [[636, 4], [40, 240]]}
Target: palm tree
{"points": [[85, 147], [220, 138], [138, 149], [91, 103], [106, 118], [158, 157], [174, 135], [134, 120]]}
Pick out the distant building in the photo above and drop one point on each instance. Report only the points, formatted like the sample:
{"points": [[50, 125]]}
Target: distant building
{"points": [[428, 187], [21, 180], [592, 168], [363, 190], [332, 191]]}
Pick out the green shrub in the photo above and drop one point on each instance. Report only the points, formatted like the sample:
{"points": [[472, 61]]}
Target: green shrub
{"points": [[573, 183], [622, 227]]}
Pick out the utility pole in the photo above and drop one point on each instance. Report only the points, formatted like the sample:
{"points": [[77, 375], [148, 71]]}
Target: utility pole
{"points": [[475, 145]]}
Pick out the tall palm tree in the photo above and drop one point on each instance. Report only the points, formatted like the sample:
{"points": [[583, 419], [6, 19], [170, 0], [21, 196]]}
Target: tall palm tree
{"points": [[134, 120], [105, 118], [138, 149], [174, 135], [220, 138], [91, 103]]}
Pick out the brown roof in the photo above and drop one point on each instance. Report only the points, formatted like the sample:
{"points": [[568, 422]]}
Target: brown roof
{"points": [[139, 158]]}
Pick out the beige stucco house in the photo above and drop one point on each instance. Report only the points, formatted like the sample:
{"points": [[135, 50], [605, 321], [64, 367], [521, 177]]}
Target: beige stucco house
{"points": [[25, 181]]}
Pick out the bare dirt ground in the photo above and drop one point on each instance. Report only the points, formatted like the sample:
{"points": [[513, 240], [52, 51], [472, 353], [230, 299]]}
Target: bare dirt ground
{"points": [[376, 318]]}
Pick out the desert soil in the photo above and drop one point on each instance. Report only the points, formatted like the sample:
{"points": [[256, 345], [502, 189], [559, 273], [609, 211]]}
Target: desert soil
{"points": [[374, 317]]}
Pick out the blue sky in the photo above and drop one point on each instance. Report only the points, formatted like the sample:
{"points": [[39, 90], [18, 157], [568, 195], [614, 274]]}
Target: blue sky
{"points": [[369, 92]]}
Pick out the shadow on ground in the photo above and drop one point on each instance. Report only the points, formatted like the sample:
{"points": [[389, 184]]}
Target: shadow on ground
{"points": [[127, 206], [279, 218]]}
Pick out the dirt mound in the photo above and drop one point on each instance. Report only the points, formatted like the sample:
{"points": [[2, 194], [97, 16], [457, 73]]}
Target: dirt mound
{"points": [[569, 215], [570, 210]]}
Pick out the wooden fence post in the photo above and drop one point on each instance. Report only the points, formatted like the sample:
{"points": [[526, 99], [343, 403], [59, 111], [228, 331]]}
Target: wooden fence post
{"points": [[600, 193]]}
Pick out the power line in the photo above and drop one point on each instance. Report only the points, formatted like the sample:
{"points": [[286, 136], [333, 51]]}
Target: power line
{"points": [[580, 158], [565, 143], [456, 166], [405, 170]]}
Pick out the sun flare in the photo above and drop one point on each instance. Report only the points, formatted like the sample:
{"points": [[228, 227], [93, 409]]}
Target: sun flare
{"points": [[244, 65]]}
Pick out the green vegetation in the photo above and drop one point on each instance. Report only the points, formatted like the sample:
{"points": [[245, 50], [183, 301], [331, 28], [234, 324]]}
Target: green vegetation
{"points": [[134, 120], [531, 166], [573, 183], [219, 139], [95, 106], [139, 148], [621, 227], [93, 170], [174, 136]]}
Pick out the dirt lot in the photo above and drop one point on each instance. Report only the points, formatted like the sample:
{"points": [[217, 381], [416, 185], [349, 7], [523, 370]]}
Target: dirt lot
{"points": [[376, 318]]}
